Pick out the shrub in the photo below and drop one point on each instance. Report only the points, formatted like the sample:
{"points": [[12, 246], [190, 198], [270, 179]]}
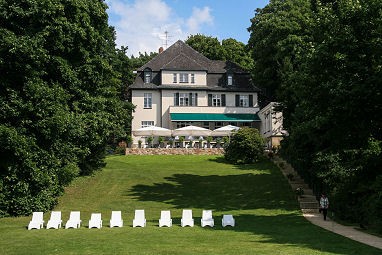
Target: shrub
{"points": [[120, 150], [246, 146]]}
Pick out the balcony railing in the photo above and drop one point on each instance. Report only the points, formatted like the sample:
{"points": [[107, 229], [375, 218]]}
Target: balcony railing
{"points": [[207, 109]]}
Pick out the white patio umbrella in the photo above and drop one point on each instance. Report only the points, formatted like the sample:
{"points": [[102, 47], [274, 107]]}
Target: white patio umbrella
{"points": [[192, 131], [225, 131], [152, 131]]}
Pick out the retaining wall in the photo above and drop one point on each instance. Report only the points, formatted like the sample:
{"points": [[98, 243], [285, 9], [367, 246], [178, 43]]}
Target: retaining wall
{"points": [[174, 151]]}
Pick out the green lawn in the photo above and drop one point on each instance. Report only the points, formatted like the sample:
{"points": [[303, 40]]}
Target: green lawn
{"points": [[267, 215]]}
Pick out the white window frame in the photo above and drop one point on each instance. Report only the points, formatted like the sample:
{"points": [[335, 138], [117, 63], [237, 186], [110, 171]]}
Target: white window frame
{"points": [[147, 123], [192, 78], [216, 100], [244, 101], [193, 99], [174, 78], [183, 78], [184, 99], [230, 80], [147, 75], [147, 100], [269, 115]]}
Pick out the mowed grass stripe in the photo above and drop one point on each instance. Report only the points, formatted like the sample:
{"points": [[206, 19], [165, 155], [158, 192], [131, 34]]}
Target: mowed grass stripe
{"points": [[267, 214]]}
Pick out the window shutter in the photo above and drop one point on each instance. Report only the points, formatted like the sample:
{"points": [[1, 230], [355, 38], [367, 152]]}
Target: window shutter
{"points": [[196, 99], [237, 100], [190, 99], [176, 99], [209, 99], [250, 100], [223, 99]]}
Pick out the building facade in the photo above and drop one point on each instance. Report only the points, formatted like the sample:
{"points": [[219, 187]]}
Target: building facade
{"points": [[271, 125], [181, 87]]}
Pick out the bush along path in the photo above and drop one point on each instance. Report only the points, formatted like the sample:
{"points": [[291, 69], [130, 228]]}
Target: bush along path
{"points": [[309, 207]]}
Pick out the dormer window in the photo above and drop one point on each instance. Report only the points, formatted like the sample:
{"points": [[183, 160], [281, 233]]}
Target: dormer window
{"points": [[229, 79], [147, 75]]}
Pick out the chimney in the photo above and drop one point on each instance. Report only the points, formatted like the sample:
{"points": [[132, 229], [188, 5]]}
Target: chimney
{"points": [[160, 50]]}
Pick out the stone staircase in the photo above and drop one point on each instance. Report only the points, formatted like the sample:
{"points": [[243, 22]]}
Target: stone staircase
{"points": [[308, 201]]}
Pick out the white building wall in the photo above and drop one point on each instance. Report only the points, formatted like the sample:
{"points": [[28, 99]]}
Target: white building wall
{"points": [[271, 124], [140, 114], [162, 101], [200, 77]]}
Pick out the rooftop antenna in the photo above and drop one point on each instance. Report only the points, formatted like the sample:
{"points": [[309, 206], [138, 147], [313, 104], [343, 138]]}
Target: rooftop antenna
{"points": [[166, 40]]}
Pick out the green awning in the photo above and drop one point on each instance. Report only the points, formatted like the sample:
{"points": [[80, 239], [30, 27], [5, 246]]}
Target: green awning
{"points": [[228, 117]]}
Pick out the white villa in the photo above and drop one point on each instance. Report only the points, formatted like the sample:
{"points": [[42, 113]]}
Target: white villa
{"points": [[181, 87]]}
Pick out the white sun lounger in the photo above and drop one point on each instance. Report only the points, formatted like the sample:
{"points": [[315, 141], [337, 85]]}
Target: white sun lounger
{"points": [[165, 219], [207, 219], [187, 219], [139, 219], [74, 220], [116, 219], [228, 220], [37, 221], [55, 220], [95, 221]]}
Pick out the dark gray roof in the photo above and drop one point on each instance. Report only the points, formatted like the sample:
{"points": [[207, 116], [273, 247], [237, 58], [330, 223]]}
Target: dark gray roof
{"points": [[179, 48], [183, 62], [181, 56]]}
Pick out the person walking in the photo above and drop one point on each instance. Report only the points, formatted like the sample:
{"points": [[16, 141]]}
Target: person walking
{"points": [[324, 205]]}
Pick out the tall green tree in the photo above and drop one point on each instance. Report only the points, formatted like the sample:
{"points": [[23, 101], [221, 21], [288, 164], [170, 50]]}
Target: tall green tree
{"points": [[331, 98], [279, 33], [209, 46], [238, 53], [229, 49], [59, 98]]}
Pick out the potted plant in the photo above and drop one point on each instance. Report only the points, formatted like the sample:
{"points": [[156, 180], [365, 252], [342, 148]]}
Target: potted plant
{"points": [[171, 142], [150, 140], [129, 141], [218, 142], [181, 140], [209, 140], [139, 143], [160, 141], [200, 143]]}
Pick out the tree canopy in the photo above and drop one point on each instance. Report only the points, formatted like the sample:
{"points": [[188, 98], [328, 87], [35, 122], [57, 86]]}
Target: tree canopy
{"points": [[59, 99], [327, 76], [278, 36], [229, 49]]}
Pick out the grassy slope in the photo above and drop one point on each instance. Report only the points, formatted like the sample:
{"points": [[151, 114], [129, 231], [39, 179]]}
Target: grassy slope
{"points": [[267, 216]]}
